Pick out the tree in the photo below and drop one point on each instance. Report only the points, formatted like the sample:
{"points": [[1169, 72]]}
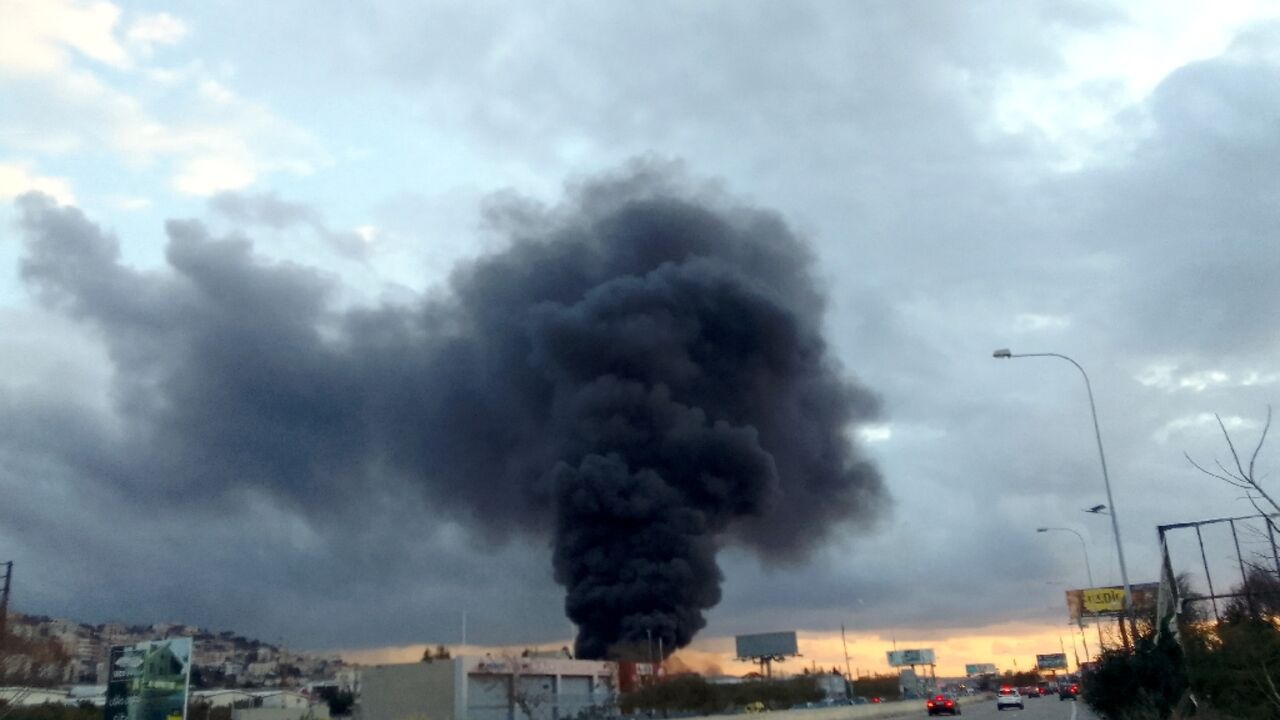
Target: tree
{"points": [[36, 662], [1146, 681], [439, 653], [1239, 476]]}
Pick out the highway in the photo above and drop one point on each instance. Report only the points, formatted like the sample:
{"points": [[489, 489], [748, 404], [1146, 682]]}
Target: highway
{"points": [[1045, 708]]}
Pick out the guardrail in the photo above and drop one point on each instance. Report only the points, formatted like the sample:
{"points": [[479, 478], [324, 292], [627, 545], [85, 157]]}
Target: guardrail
{"points": [[896, 708]]}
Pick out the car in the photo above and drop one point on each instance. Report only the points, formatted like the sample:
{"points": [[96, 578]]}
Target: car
{"points": [[1068, 691], [1029, 692], [939, 704], [1008, 697]]}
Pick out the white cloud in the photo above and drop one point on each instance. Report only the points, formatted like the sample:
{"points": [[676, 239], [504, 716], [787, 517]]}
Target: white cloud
{"points": [[160, 29], [1031, 322], [875, 433], [205, 136], [209, 174], [16, 179], [1117, 67], [36, 34], [1201, 422], [1168, 378]]}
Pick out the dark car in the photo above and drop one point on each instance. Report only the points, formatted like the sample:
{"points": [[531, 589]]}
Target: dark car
{"points": [[1068, 691], [940, 704]]}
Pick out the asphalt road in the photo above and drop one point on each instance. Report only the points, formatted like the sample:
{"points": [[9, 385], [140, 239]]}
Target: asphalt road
{"points": [[1045, 708]]}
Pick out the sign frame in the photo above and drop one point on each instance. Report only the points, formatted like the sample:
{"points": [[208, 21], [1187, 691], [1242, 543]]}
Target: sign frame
{"points": [[910, 657], [150, 680]]}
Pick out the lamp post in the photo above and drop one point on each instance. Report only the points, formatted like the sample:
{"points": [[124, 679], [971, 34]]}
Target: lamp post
{"points": [[1087, 568], [1006, 354]]}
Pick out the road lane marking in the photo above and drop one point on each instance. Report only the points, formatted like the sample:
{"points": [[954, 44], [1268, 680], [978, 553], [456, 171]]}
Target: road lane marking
{"points": [[1074, 708]]}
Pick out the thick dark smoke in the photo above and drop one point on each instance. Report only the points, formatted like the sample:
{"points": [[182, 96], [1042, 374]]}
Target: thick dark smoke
{"points": [[640, 376]]}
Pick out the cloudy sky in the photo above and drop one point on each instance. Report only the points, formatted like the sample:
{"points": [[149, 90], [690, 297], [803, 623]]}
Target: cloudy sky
{"points": [[1095, 179]]}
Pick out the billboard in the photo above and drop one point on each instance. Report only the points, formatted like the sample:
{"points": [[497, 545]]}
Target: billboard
{"points": [[980, 669], [762, 645], [1108, 601], [899, 658], [149, 680], [1052, 661]]}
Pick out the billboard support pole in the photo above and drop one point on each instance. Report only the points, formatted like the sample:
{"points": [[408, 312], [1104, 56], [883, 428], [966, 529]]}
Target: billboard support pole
{"points": [[4, 600], [845, 643]]}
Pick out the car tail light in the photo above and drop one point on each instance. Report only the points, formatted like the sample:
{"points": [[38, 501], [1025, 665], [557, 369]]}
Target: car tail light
{"points": [[929, 704]]}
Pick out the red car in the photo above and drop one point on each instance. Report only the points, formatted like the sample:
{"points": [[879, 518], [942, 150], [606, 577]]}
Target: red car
{"points": [[939, 704]]}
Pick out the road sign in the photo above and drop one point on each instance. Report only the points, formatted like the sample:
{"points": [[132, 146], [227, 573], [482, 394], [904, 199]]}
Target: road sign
{"points": [[1052, 661], [763, 645], [149, 680], [919, 656]]}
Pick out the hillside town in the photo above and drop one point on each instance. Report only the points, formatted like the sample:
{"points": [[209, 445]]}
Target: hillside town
{"points": [[58, 651]]}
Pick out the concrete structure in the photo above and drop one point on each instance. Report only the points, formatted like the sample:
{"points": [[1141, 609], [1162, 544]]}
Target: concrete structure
{"points": [[281, 699], [222, 698], [832, 685], [96, 695], [25, 696], [312, 712], [486, 688]]}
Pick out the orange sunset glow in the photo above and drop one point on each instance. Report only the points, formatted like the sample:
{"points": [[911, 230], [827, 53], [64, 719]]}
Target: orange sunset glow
{"points": [[1009, 646]]}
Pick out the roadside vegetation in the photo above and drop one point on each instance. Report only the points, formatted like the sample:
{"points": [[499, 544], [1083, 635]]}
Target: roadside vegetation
{"points": [[687, 694]]}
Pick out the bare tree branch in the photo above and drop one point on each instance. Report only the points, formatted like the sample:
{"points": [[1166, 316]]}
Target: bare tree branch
{"points": [[1230, 445], [1227, 472], [1241, 478], [1261, 440], [1224, 478]]}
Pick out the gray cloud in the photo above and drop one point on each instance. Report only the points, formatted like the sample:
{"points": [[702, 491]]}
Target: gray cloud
{"points": [[872, 128], [639, 378], [269, 210]]}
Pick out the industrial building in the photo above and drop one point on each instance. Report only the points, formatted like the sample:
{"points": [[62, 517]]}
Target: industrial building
{"points": [[487, 688]]}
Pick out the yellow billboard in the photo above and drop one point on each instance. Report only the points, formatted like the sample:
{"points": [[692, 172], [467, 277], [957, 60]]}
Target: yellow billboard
{"points": [[1103, 600], [1109, 601]]}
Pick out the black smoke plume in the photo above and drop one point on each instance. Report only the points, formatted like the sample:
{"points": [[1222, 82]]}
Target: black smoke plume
{"points": [[639, 376]]}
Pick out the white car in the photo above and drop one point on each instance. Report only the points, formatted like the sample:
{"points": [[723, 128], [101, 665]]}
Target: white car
{"points": [[1008, 697]]}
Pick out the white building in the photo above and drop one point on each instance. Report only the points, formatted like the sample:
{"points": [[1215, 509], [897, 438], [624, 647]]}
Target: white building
{"points": [[25, 696], [222, 698], [281, 699], [486, 688]]}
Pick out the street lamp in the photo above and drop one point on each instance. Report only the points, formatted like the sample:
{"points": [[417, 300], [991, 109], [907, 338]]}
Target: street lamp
{"points": [[1088, 570], [1006, 354]]}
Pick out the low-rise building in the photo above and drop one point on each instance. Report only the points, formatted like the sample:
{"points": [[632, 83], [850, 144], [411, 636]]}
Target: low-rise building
{"points": [[312, 712], [487, 688], [26, 696], [217, 698]]}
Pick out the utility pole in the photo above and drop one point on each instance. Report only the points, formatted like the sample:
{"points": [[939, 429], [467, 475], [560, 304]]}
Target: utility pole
{"points": [[4, 600], [845, 643]]}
